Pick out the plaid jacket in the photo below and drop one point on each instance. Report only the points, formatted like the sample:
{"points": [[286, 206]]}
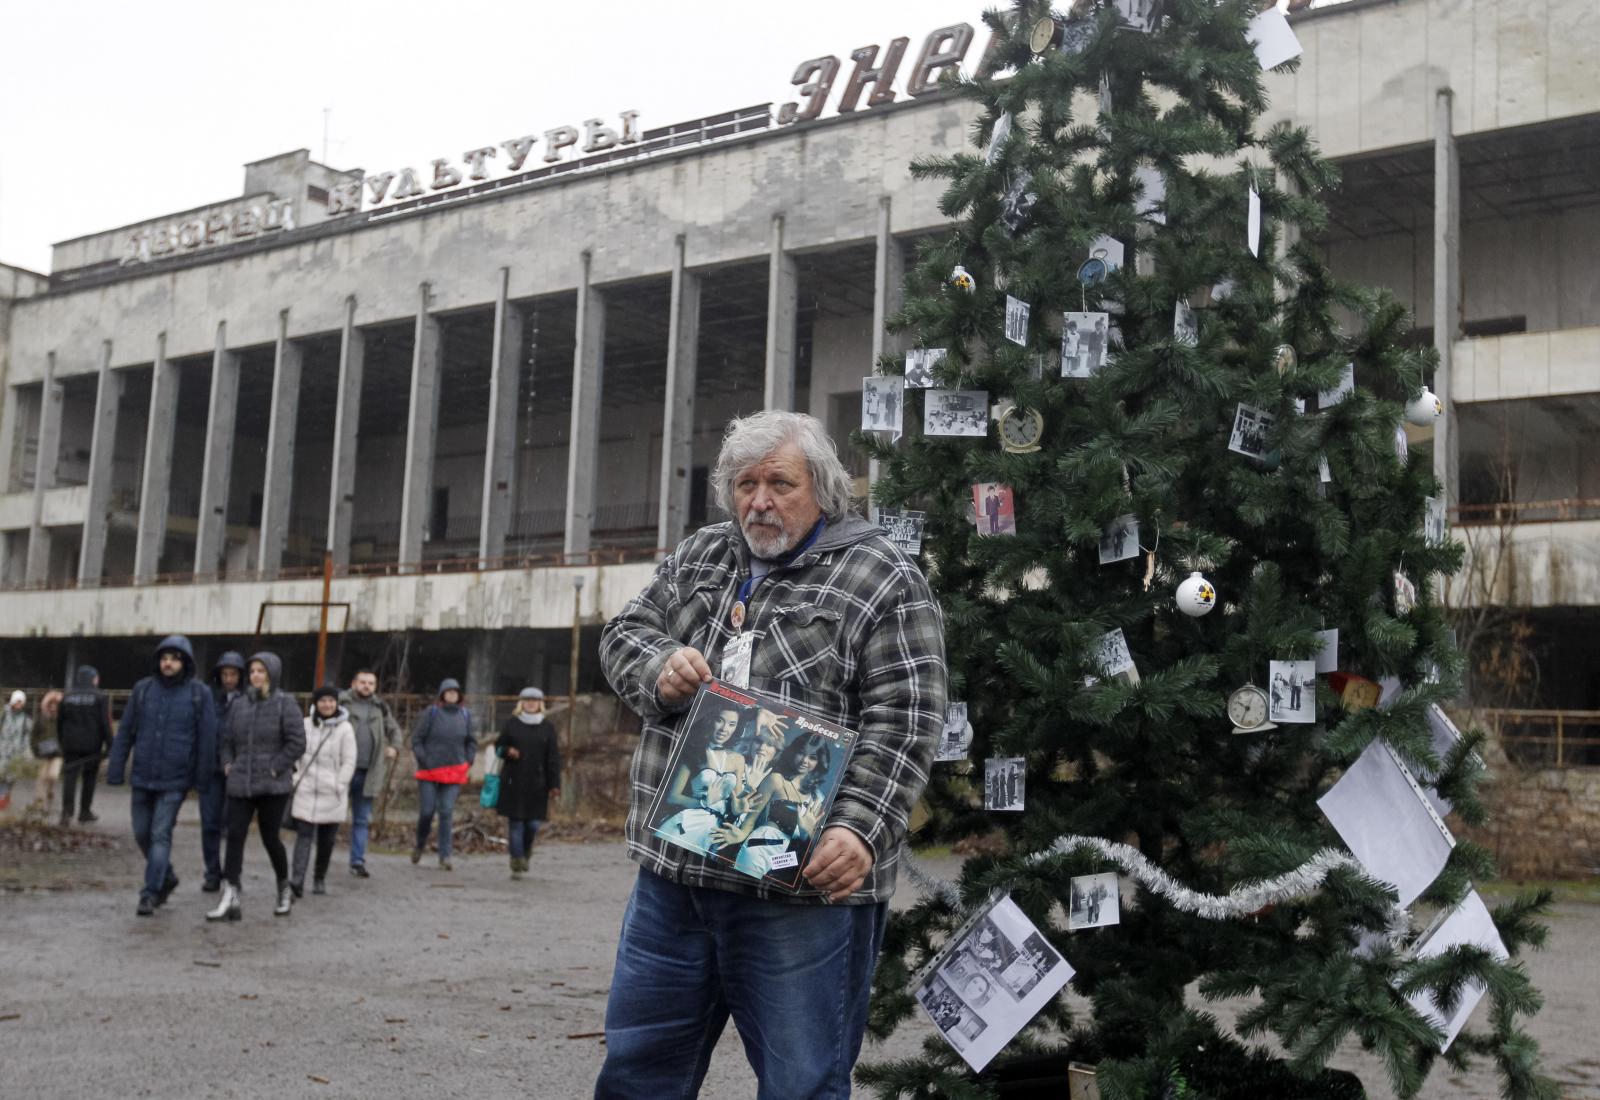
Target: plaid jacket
{"points": [[849, 631]]}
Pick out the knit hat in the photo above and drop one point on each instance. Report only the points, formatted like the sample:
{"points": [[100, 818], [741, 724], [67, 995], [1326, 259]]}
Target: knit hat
{"points": [[326, 689], [530, 693], [18, 697]]}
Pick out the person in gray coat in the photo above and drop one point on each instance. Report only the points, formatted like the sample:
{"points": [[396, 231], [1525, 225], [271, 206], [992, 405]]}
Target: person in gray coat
{"points": [[261, 742], [378, 741], [445, 748]]}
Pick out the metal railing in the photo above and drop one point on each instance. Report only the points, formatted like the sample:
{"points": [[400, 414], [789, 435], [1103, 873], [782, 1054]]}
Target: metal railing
{"points": [[1526, 511], [1545, 738]]}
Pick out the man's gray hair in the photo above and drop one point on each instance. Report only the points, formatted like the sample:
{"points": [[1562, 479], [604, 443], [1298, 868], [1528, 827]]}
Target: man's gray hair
{"points": [[749, 439]]}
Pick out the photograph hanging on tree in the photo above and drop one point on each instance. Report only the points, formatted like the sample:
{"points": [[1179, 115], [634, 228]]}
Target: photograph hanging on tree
{"points": [[1433, 522], [920, 364], [904, 529], [1096, 901], [1016, 320], [1120, 539], [749, 782], [1185, 325], [956, 413], [1005, 783], [1405, 594], [956, 739], [882, 404], [1113, 658], [1085, 339], [1001, 960], [1250, 428], [997, 138], [1139, 15], [1017, 203], [1292, 688], [994, 511]]}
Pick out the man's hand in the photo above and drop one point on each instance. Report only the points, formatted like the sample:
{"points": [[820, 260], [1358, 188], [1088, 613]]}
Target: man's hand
{"points": [[390, 751], [840, 863], [682, 675]]}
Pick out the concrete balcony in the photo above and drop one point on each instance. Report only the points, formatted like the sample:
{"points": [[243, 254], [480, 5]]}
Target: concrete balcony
{"points": [[1536, 564], [1527, 364], [64, 507]]}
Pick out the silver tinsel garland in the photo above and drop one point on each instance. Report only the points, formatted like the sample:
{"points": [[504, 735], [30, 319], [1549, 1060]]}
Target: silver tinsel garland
{"points": [[1242, 902]]}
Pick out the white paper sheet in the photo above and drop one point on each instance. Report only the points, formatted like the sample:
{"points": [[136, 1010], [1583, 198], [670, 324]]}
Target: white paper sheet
{"points": [[1328, 655], [1253, 223], [1273, 38], [1381, 814], [1470, 922], [994, 975]]}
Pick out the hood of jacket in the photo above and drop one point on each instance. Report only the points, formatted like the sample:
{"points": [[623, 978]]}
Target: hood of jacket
{"points": [[448, 685], [229, 659], [340, 715], [178, 644], [86, 676], [274, 667]]}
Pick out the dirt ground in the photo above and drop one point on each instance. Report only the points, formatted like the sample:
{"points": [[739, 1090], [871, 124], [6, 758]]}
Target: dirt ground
{"points": [[417, 982]]}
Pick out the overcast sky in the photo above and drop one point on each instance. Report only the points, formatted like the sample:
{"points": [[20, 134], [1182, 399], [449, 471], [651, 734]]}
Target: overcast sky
{"points": [[116, 112]]}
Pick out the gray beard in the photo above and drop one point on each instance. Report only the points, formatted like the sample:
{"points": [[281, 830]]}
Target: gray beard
{"points": [[767, 542]]}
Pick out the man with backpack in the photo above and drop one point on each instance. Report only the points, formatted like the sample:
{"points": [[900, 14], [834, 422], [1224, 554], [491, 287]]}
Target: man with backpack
{"points": [[170, 726]]}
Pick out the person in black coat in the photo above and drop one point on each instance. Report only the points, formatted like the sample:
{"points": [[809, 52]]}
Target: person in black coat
{"points": [[85, 736], [530, 774]]}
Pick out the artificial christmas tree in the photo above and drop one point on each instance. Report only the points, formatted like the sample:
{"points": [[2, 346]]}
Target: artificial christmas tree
{"points": [[1185, 389]]}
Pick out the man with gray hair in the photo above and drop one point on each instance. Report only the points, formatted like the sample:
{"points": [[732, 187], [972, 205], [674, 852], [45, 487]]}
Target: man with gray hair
{"points": [[820, 609]]}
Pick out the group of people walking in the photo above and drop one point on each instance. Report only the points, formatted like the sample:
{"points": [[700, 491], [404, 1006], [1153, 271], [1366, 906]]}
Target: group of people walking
{"points": [[244, 745]]}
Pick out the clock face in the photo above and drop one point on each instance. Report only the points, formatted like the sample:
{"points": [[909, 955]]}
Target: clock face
{"points": [[1021, 431], [1248, 707], [1044, 35]]}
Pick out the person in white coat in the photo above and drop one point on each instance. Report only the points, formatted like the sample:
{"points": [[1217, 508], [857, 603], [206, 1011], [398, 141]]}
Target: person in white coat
{"points": [[321, 787]]}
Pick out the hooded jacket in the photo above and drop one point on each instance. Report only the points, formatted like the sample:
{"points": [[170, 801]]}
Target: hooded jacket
{"points": [[170, 727], [323, 773], [85, 716], [221, 696], [263, 738], [443, 737]]}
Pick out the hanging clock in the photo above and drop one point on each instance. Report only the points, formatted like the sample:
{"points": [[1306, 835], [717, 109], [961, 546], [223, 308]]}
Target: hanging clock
{"points": [[1046, 36], [1247, 706], [1021, 430]]}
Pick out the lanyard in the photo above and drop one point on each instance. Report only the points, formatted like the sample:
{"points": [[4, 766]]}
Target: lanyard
{"points": [[751, 583]]}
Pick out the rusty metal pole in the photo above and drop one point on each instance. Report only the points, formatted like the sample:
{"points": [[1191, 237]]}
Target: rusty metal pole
{"points": [[322, 618]]}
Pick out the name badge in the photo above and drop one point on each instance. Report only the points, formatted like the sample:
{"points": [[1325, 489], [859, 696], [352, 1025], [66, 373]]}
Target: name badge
{"points": [[736, 660]]}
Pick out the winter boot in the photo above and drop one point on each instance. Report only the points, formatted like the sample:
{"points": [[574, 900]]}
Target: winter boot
{"points": [[166, 890], [228, 907], [211, 885], [516, 867], [285, 899], [319, 886], [416, 855], [147, 906], [444, 864], [297, 887]]}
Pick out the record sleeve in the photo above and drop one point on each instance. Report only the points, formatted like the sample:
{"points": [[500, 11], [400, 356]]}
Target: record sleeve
{"points": [[750, 782]]}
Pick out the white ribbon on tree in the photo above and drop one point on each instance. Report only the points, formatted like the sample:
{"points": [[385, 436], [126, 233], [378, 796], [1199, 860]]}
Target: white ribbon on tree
{"points": [[1241, 902]]}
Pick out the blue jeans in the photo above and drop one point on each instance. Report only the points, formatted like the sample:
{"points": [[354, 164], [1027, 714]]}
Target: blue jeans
{"points": [[360, 818], [154, 814], [795, 978], [521, 835], [213, 825], [441, 797]]}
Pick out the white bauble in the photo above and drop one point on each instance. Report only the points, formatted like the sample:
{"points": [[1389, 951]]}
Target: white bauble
{"points": [[1196, 596], [1425, 409]]}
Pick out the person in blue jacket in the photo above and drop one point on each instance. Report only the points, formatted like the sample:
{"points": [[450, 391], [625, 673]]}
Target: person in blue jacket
{"points": [[170, 726]]}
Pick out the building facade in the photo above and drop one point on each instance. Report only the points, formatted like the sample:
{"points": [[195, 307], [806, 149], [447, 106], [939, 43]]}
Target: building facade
{"points": [[492, 397]]}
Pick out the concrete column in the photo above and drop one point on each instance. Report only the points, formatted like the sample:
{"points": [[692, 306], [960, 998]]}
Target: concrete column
{"points": [[677, 418], [422, 431], [279, 485], [216, 471], [583, 448], [346, 424], [155, 488], [888, 296], [783, 309], [102, 443], [40, 540], [9, 443], [483, 652], [1446, 287], [500, 446]]}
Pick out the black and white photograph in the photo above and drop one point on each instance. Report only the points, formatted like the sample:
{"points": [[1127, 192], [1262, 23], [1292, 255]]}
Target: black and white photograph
{"points": [[1185, 325], [1120, 539], [1095, 900], [1139, 15], [1433, 521], [1342, 389], [1292, 691], [1324, 472], [1250, 429], [1085, 340], [997, 138], [751, 783], [1105, 256], [956, 740], [1005, 781], [956, 412], [1017, 320], [1017, 202], [1151, 201], [904, 529], [1113, 658], [960, 1024], [882, 404], [920, 364], [991, 977]]}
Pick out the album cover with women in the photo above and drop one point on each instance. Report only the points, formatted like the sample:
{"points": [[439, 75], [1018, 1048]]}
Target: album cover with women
{"points": [[750, 782]]}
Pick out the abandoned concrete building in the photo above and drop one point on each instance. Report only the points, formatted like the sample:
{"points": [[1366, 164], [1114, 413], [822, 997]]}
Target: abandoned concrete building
{"points": [[493, 401]]}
